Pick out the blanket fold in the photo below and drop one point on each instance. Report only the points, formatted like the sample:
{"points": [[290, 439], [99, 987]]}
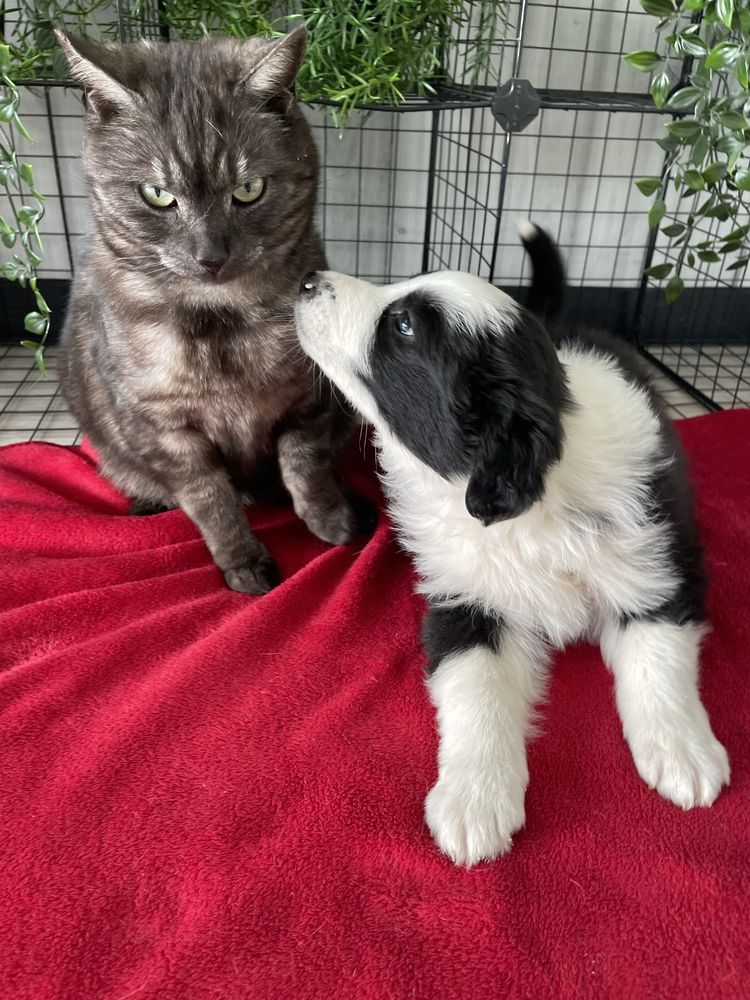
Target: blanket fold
{"points": [[204, 794]]}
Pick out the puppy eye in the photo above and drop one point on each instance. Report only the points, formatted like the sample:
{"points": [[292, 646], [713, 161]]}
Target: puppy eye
{"points": [[402, 324]]}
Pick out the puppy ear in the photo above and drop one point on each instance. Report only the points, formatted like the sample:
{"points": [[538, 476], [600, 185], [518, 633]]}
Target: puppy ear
{"points": [[511, 462], [519, 397]]}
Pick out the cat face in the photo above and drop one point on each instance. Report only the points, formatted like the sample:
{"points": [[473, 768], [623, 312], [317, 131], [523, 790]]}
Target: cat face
{"points": [[201, 169]]}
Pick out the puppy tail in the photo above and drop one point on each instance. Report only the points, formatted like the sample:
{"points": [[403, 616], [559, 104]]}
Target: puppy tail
{"points": [[547, 271]]}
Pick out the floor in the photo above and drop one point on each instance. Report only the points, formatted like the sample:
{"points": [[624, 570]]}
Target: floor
{"points": [[721, 371], [32, 408]]}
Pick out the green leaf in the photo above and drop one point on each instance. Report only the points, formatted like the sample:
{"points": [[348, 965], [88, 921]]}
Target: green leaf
{"points": [[28, 216], [724, 11], [694, 4], [36, 323], [674, 289], [676, 229], [660, 89], [723, 55], [658, 271], [700, 151], [32, 345], [648, 185], [643, 60], [714, 173], [27, 172], [669, 143], [691, 259], [656, 213], [738, 264], [659, 8], [686, 128], [731, 247], [12, 270], [721, 212], [733, 120], [737, 234], [692, 45], [733, 147], [694, 180], [741, 180], [684, 98], [742, 73], [709, 256], [4, 60], [7, 109]]}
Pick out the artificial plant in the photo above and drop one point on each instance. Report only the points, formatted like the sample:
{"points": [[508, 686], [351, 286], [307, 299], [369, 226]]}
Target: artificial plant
{"points": [[700, 70], [362, 53], [20, 231]]}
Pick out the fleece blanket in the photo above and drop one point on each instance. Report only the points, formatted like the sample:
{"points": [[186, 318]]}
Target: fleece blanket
{"points": [[206, 795]]}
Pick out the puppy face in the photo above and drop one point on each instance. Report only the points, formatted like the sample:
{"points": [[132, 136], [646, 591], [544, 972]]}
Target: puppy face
{"points": [[453, 368]]}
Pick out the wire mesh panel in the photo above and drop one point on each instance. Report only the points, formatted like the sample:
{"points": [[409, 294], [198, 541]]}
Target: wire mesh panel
{"points": [[439, 183]]}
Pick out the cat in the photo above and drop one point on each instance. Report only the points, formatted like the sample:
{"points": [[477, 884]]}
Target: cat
{"points": [[179, 355]]}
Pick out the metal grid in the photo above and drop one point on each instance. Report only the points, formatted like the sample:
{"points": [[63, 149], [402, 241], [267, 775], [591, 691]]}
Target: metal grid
{"points": [[438, 184], [32, 408]]}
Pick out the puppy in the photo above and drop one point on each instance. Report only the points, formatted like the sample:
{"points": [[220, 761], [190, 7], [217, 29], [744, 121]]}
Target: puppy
{"points": [[541, 489]]}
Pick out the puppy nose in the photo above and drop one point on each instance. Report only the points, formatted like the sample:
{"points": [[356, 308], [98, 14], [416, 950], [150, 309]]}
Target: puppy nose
{"points": [[309, 287], [214, 266]]}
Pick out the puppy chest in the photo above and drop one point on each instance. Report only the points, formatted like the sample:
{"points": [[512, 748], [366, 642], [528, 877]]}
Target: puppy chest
{"points": [[555, 579]]}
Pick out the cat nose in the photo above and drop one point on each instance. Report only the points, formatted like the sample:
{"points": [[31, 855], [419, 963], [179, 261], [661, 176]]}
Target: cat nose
{"points": [[213, 266], [309, 287]]}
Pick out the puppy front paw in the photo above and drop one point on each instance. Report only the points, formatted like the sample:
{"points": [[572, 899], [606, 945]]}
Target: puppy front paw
{"points": [[685, 764], [474, 820], [257, 578]]}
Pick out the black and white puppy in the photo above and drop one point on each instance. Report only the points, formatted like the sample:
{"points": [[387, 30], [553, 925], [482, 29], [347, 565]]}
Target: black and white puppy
{"points": [[542, 492]]}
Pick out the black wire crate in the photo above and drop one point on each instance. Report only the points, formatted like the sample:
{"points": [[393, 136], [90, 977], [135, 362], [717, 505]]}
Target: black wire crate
{"points": [[556, 130]]}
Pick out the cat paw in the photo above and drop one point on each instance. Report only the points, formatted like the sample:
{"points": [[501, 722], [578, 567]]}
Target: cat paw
{"points": [[336, 525], [686, 767], [256, 579], [473, 821], [145, 508]]}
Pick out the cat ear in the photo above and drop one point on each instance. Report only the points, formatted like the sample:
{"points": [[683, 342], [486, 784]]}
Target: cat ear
{"points": [[275, 71], [97, 67]]}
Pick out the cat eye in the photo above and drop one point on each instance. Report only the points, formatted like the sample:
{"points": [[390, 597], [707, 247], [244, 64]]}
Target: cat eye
{"points": [[402, 324], [249, 191], [157, 196]]}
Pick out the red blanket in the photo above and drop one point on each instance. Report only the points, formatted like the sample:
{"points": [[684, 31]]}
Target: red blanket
{"points": [[209, 795]]}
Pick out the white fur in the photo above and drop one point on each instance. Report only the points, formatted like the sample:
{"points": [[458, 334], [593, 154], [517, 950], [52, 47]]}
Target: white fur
{"points": [[484, 707], [567, 568], [555, 568], [656, 683]]}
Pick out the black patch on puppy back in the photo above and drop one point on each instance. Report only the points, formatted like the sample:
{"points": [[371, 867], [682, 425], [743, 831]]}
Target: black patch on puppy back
{"points": [[451, 629]]}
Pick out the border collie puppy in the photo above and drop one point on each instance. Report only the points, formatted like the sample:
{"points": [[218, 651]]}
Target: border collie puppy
{"points": [[542, 492]]}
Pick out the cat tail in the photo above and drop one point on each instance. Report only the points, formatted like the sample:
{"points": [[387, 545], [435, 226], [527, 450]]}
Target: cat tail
{"points": [[547, 272]]}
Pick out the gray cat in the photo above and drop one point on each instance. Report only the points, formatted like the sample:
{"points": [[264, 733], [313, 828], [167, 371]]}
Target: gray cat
{"points": [[179, 354]]}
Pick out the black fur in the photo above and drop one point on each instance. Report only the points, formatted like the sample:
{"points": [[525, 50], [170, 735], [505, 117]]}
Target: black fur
{"points": [[448, 630], [483, 406], [519, 395], [671, 492]]}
